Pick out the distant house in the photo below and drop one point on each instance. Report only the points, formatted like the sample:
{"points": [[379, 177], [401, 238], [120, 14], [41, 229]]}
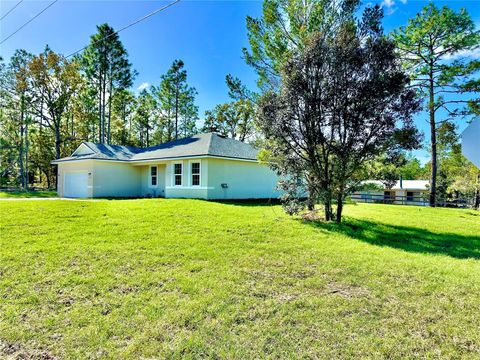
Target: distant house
{"points": [[471, 142], [206, 166], [406, 192]]}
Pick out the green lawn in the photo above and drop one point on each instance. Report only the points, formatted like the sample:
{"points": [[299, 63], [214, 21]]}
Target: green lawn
{"points": [[28, 194], [188, 278]]}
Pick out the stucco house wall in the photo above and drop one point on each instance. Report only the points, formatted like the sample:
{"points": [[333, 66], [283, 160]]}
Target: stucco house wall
{"points": [[244, 180], [187, 190], [147, 189], [116, 179]]}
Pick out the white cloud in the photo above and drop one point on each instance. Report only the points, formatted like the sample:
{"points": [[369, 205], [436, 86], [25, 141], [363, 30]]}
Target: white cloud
{"points": [[389, 6], [403, 1], [472, 54], [143, 86]]}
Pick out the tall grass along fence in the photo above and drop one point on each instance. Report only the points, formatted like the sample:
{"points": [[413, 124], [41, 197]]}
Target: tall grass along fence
{"points": [[421, 200]]}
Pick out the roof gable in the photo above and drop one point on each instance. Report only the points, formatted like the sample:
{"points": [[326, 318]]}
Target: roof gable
{"points": [[83, 149]]}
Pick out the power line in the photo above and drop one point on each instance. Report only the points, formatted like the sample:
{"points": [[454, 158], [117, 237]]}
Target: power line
{"points": [[9, 11], [28, 22], [127, 26]]}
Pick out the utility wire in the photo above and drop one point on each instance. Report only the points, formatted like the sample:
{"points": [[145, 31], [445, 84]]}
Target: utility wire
{"points": [[127, 26], [9, 11], [28, 22]]}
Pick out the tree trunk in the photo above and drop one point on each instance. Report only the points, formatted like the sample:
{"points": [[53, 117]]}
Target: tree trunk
{"points": [[311, 194], [20, 152], [176, 116], [328, 210], [129, 135], [26, 156], [340, 200], [339, 209], [100, 109], [57, 143], [55, 172], [433, 140], [48, 179], [58, 139], [104, 106], [148, 139], [109, 109], [124, 122], [20, 158], [169, 124]]}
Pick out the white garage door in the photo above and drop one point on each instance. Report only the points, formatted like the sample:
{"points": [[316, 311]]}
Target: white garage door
{"points": [[75, 185]]}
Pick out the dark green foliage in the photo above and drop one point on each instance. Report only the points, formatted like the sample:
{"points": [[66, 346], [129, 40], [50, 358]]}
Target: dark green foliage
{"points": [[343, 101], [284, 28], [234, 119]]}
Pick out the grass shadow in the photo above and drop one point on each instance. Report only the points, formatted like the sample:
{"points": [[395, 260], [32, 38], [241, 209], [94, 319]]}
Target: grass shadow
{"points": [[249, 202], [406, 238], [27, 194]]}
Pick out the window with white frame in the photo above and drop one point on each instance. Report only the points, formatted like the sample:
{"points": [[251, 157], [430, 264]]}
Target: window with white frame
{"points": [[177, 174], [195, 167], [153, 175]]}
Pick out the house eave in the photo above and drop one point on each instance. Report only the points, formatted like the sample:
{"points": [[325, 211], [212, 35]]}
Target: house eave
{"points": [[147, 161]]}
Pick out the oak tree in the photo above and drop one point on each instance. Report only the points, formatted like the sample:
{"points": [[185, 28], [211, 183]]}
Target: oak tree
{"points": [[343, 100]]}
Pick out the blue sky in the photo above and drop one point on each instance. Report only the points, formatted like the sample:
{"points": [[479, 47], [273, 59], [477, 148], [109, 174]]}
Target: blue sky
{"points": [[207, 35]]}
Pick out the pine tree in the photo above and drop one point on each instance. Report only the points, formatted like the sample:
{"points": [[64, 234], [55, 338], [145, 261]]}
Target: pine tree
{"points": [[144, 118], [427, 43], [176, 101], [108, 70], [284, 28]]}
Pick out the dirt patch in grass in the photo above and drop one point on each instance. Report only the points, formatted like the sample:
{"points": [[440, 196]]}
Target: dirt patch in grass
{"points": [[346, 290], [9, 350], [313, 215]]}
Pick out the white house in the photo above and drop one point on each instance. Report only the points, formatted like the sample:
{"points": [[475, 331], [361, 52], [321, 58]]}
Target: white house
{"points": [[404, 192], [206, 166], [471, 142]]}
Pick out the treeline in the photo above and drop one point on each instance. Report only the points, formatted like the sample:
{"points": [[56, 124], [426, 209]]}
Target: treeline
{"points": [[50, 103]]}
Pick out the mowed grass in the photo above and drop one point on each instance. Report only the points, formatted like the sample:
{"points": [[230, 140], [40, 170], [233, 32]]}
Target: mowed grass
{"points": [[192, 279], [28, 194]]}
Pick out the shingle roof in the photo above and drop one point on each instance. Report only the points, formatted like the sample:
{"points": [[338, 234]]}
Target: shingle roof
{"points": [[209, 144]]}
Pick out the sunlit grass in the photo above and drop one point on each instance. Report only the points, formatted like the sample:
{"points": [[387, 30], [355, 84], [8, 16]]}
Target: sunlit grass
{"points": [[188, 278]]}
